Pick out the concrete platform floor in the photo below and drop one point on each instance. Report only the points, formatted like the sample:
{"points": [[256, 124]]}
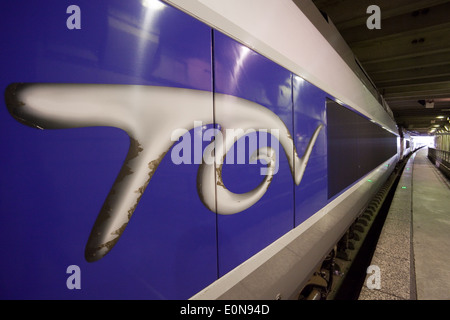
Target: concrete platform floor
{"points": [[413, 251], [431, 229]]}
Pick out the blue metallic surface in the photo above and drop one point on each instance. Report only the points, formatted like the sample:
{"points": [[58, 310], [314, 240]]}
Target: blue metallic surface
{"points": [[309, 112], [241, 72], [53, 182]]}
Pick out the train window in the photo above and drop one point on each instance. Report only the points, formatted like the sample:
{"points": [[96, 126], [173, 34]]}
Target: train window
{"points": [[355, 146]]}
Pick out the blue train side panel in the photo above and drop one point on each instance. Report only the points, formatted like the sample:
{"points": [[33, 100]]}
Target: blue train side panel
{"points": [[309, 112], [54, 182], [244, 73]]}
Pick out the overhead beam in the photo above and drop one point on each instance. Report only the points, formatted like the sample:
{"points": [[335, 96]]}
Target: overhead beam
{"points": [[432, 115], [394, 83], [417, 43], [413, 74], [438, 86], [429, 60], [413, 103], [411, 95]]}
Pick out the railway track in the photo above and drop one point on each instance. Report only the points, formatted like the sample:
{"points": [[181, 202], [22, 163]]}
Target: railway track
{"points": [[343, 272]]}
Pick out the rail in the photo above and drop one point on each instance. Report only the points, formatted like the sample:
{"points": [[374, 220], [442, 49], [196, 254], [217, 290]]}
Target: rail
{"points": [[441, 159], [439, 155]]}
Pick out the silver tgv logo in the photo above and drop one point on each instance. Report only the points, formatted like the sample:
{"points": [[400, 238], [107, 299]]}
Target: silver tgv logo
{"points": [[151, 115]]}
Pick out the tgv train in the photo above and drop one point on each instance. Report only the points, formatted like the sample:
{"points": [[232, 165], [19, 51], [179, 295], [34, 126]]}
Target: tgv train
{"points": [[178, 149]]}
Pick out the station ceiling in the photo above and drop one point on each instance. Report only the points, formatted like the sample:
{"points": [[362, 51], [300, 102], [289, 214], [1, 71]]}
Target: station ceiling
{"points": [[408, 58]]}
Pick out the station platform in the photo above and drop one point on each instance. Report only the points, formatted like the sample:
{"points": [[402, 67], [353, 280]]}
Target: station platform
{"points": [[412, 256]]}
